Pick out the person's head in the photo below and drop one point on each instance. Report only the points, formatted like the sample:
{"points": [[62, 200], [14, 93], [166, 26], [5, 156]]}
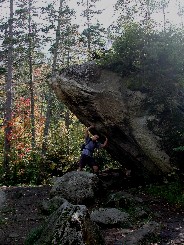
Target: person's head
{"points": [[95, 137]]}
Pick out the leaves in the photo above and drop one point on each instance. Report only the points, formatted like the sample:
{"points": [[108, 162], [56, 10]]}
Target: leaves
{"points": [[154, 53]]}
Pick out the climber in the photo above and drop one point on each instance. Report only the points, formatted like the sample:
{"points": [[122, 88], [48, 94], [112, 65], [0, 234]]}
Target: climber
{"points": [[88, 149]]}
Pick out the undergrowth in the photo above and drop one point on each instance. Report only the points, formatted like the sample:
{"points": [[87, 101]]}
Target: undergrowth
{"points": [[172, 192]]}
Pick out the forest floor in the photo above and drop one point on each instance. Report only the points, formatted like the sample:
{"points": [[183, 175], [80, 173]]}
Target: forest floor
{"points": [[21, 214]]}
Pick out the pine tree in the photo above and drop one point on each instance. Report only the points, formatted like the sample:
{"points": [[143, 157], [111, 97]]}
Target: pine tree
{"points": [[60, 48], [93, 33], [31, 82]]}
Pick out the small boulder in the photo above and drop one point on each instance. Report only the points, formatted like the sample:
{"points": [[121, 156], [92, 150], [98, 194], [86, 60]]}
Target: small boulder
{"points": [[110, 217], [122, 199], [76, 187], [141, 235], [51, 205]]}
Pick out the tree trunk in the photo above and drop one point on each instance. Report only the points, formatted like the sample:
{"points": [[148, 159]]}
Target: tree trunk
{"points": [[163, 11], [31, 82], [8, 102], [67, 125], [47, 124], [50, 99], [89, 32]]}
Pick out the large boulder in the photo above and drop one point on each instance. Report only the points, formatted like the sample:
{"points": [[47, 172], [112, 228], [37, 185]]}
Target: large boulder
{"points": [[78, 187], [70, 224], [143, 123]]}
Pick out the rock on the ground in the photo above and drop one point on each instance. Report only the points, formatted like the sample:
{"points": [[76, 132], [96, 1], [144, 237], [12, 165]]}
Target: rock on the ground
{"points": [[150, 229], [50, 205], [110, 217], [2, 236], [122, 199], [2, 198], [77, 187], [70, 224]]}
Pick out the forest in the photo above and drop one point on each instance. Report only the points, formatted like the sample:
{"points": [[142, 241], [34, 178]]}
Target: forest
{"points": [[39, 136]]}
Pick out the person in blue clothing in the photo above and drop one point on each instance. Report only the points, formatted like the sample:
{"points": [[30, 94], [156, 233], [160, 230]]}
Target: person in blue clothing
{"points": [[87, 153]]}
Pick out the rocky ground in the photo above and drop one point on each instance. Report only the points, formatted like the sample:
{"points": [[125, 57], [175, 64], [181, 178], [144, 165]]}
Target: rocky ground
{"points": [[21, 213]]}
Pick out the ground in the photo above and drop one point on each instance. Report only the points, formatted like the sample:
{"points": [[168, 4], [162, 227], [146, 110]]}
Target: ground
{"points": [[22, 214]]}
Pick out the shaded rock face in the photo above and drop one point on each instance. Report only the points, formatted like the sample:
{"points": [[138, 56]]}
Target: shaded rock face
{"points": [[141, 124]]}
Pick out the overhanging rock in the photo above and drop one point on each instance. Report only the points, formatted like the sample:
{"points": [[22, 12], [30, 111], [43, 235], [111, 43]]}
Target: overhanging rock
{"points": [[139, 123]]}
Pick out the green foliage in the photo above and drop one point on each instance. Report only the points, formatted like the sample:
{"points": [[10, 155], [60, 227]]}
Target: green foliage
{"points": [[146, 54], [29, 166], [171, 192], [104, 160], [96, 33], [180, 148]]}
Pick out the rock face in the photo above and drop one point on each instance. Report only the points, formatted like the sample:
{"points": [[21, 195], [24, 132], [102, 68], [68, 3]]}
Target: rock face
{"points": [[141, 122]]}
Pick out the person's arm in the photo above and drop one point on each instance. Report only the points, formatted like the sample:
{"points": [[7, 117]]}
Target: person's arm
{"points": [[104, 144], [87, 131]]}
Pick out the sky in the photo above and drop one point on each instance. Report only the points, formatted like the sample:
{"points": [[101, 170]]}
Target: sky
{"points": [[107, 16]]}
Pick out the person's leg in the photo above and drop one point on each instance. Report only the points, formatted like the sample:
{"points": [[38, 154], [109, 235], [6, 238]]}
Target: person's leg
{"points": [[95, 169], [82, 162], [93, 165]]}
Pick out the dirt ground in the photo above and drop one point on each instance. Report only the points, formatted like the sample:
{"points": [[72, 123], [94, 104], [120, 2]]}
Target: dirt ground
{"points": [[22, 213]]}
